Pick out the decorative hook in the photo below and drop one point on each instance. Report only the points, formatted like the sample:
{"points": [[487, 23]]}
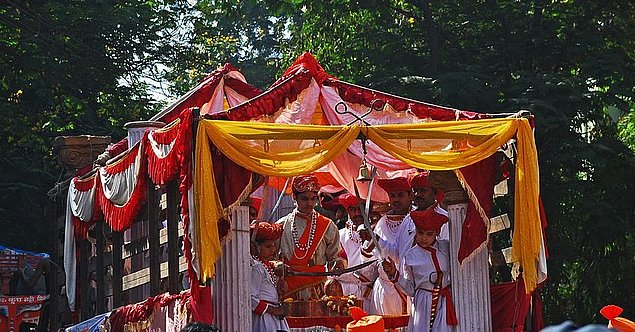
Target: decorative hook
{"points": [[375, 105]]}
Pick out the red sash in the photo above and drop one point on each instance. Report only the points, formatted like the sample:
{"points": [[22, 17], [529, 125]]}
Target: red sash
{"points": [[299, 261]]}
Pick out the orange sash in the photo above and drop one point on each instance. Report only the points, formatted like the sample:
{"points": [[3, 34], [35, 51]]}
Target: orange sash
{"points": [[299, 261]]}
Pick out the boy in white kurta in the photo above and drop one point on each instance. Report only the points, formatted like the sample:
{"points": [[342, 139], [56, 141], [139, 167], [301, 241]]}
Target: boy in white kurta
{"points": [[267, 312], [426, 275], [358, 283]]}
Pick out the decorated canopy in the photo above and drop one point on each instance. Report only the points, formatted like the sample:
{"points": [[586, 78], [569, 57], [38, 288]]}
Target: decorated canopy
{"points": [[298, 126]]}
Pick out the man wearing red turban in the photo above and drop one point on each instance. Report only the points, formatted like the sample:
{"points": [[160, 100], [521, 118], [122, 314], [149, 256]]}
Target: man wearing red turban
{"points": [[358, 283], [310, 242], [427, 197], [393, 236]]}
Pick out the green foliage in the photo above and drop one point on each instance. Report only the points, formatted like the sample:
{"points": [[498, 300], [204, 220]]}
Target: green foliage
{"points": [[74, 68], [568, 62], [66, 68]]}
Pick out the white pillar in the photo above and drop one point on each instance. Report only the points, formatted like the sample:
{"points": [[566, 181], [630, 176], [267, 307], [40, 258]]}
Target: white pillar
{"points": [[470, 280], [137, 128], [231, 285]]}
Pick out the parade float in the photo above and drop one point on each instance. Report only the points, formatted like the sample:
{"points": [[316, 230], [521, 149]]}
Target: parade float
{"points": [[181, 180]]}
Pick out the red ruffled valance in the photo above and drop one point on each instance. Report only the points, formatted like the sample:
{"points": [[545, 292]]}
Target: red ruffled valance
{"points": [[163, 169], [358, 95], [120, 217], [269, 102]]}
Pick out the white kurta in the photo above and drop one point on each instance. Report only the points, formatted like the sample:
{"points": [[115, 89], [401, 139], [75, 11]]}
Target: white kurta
{"points": [[415, 281], [386, 299], [359, 283], [263, 289]]}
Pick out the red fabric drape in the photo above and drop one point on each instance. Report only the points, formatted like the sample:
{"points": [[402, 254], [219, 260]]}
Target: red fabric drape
{"points": [[141, 311], [121, 217], [81, 227], [480, 178], [390, 322], [200, 96], [201, 304], [354, 94], [510, 305], [164, 170], [267, 103]]}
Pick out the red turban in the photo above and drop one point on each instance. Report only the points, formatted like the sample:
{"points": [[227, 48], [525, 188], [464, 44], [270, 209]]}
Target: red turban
{"points": [[394, 185], [304, 183], [266, 231], [347, 200], [255, 203], [420, 180], [428, 219]]}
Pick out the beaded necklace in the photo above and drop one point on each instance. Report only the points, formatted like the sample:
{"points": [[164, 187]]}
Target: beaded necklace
{"points": [[353, 235], [269, 268], [393, 225], [296, 238]]}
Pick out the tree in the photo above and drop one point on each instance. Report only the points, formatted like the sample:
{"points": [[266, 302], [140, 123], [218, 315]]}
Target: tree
{"points": [[67, 68], [568, 62]]}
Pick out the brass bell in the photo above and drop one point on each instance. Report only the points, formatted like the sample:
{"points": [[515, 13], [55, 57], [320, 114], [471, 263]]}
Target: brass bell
{"points": [[364, 173]]}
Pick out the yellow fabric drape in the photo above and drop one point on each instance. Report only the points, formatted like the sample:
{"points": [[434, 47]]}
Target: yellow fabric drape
{"points": [[527, 226], [227, 135], [484, 137]]}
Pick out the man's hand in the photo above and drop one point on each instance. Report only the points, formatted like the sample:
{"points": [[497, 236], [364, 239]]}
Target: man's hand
{"points": [[279, 312], [337, 265], [364, 234], [389, 267], [281, 269]]}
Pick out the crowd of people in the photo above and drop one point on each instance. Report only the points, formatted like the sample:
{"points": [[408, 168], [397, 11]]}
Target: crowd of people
{"points": [[407, 271]]}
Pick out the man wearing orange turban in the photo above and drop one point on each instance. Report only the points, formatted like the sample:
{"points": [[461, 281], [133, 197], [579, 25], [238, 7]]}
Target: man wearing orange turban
{"points": [[310, 242]]}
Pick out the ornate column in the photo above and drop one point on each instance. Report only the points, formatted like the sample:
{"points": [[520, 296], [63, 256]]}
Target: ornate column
{"points": [[75, 152], [470, 280], [231, 287]]}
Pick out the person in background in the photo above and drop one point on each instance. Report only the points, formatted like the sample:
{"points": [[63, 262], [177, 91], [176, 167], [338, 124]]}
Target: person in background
{"points": [[425, 275], [268, 314], [358, 283], [310, 242], [254, 208], [425, 197], [387, 300]]}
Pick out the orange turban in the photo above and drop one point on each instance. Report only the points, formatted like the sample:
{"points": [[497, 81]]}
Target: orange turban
{"points": [[621, 324], [347, 200], [428, 219], [266, 231], [364, 323], [304, 183], [395, 184]]}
